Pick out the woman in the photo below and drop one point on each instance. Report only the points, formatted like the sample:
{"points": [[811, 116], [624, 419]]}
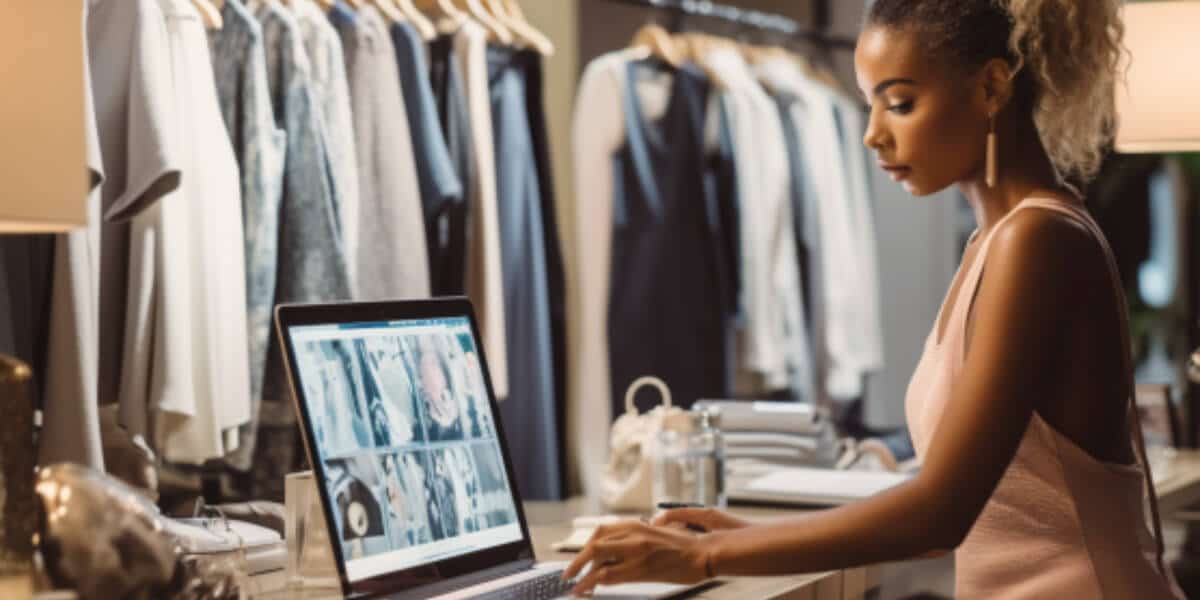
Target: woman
{"points": [[1020, 406], [435, 383]]}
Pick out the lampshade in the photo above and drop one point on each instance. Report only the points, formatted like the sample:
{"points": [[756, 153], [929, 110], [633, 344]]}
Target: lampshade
{"points": [[43, 178], [1158, 103]]}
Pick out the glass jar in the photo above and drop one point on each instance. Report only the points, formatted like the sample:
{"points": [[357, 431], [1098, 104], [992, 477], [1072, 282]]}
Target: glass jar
{"points": [[311, 563], [689, 460]]}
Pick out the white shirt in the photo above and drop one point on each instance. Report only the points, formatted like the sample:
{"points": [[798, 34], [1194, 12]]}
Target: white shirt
{"points": [[130, 77], [485, 280], [773, 338], [71, 430], [852, 326], [193, 391]]}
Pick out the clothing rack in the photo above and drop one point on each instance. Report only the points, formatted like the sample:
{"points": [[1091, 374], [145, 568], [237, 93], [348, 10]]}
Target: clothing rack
{"points": [[751, 19]]}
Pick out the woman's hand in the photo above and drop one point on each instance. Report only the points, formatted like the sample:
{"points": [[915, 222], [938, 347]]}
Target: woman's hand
{"points": [[636, 551], [710, 519]]}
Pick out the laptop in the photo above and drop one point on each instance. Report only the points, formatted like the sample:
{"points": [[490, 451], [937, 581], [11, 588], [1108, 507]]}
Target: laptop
{"points": [[402, 430]]}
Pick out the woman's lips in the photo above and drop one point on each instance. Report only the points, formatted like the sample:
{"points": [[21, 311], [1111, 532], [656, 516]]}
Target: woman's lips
{"points": [[898, 172]]}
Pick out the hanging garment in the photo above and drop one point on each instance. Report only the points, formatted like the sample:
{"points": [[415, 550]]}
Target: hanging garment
{"points": [[803, 199], [598, 132], [532, 405], [441, 189], [531, 61], [666, 311], [868, 339], [1045, 532], [448, 264], [723, 211], [838, 264], [391, 260], [239, 68], [71, 419], [131, 86], [185, 380], [774, 339], [313, 266], [331, 89], [485, 279]]}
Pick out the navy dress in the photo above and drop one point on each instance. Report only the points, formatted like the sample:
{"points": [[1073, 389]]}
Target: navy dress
{"points": [[530, 256], [673, 283]]}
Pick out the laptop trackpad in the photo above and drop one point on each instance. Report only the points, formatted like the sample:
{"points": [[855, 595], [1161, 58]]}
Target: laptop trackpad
{"points": [[638, 591]]}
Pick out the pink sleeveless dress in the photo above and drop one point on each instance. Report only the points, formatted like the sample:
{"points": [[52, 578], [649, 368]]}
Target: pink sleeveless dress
{"points": [[1060, 524]]}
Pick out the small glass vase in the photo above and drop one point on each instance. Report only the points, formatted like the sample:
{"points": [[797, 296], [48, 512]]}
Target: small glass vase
{"points": [[310, 561]]}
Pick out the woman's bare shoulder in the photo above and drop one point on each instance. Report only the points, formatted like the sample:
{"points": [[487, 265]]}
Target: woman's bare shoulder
{"points": [[1050, 253]]}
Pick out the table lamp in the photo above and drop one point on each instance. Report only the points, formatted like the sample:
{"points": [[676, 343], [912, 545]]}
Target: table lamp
{"points": [[44, 188], [1158, 103]]}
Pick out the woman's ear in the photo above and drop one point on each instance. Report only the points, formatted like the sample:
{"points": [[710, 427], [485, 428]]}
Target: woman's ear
{"points": [[996, 83]]}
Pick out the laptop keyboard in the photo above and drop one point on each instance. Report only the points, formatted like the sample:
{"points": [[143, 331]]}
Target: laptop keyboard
{"points": [[544, 587]]}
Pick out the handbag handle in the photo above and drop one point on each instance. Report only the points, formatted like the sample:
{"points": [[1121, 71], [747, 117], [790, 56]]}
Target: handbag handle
{"points": [[663, 391]]}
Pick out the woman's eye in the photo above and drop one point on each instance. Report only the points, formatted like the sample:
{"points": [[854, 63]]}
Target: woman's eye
{"points": [[902, 108]]}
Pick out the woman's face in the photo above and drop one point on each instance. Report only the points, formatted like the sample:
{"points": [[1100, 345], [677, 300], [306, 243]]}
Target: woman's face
{"points": [[431, 375], [927, 125]]}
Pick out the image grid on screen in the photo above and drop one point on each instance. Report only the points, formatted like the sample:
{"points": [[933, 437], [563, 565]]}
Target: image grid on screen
{"points": [[403, 427]]}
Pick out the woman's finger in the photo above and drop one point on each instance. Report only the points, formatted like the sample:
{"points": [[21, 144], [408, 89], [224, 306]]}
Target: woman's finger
{"points": [[682, 516], [606, 534], [580, 561]]}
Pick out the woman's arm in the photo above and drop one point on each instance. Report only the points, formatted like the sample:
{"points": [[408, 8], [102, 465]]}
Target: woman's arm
{"points": [[1020, 311], [1019, 315]]}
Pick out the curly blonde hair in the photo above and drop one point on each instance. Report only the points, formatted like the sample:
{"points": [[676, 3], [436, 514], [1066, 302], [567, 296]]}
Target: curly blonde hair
{"points": [[1066, 55]]}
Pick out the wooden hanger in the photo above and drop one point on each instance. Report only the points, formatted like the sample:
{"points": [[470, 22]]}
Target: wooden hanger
{"points": [[418, 20], [355, 4], [448, 18], [326, 5], [209, 14], [821, 74], [697, 46], [476, 11], [660, 44], [389, 10], [509, 13], [756, 55]]}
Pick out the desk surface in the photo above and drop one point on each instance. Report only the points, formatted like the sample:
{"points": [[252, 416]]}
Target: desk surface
{"points": [[550, 522], [1178, 488]]}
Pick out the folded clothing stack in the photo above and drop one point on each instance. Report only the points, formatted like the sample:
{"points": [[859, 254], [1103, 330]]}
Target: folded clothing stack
{"points": [[781, 433], [249, 548]]}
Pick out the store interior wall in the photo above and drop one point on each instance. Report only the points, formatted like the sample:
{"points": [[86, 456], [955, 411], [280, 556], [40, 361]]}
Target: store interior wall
{"points": [[918, 238]]}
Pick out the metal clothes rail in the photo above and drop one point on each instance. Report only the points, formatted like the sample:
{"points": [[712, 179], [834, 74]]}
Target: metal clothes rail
{"points": [[749, 18]]}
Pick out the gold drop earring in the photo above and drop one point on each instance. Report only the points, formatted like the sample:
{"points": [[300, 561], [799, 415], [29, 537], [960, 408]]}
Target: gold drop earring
{"points": [[990, 176]]}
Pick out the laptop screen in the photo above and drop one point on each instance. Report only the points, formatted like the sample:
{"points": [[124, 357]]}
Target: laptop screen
{"points": [[403, 426]]}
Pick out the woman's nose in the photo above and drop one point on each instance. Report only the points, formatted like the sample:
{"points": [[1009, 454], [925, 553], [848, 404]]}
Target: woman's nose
{"points": [[875, 137]]}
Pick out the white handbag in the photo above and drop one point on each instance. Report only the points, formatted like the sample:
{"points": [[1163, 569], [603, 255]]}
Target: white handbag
{"points": [[629, 476]]}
